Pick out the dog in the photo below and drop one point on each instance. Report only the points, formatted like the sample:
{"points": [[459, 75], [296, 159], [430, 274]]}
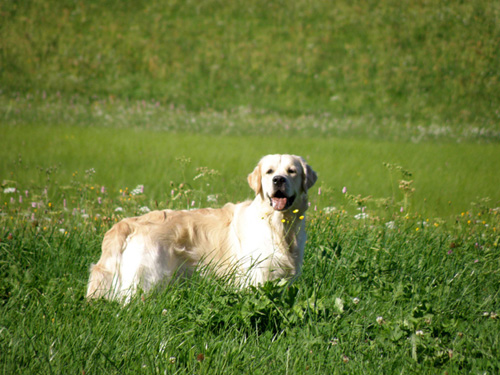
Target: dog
{"points": [[252, 242]]}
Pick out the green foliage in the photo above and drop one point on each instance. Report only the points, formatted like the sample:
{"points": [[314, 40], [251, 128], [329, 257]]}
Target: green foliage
{"points": [[408, 295], [447, 177], [413, 63], [110, 109]]}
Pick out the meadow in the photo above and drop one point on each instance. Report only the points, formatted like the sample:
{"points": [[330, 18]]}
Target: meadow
{"points": [[411, 63], [381, 291], [112, 109]]}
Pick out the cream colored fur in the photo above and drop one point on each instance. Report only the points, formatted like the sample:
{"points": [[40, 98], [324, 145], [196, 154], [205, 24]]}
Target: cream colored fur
{"points": [[254, 241]]}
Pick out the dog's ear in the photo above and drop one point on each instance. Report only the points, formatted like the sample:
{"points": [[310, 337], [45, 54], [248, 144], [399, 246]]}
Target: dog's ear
{"points": [[254, 180], [310, 177]]}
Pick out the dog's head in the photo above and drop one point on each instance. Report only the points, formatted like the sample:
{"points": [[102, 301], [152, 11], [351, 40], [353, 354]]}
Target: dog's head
{"points": [[282, 180]]}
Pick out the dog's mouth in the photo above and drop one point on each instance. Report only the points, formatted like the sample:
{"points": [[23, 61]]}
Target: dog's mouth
{"points": [[280, 202]]}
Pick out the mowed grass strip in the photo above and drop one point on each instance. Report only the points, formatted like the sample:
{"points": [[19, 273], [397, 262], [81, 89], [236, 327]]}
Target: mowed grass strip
{"points": [[447, 178]]}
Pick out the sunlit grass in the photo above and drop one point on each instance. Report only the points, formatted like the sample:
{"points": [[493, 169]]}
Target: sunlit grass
{"points": [[411, 64], [112, 109], [405, 295], [447, 178], [244, 120]]}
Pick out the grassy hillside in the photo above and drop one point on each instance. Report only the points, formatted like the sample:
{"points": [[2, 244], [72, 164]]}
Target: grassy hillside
{"points": [[415, 63]]}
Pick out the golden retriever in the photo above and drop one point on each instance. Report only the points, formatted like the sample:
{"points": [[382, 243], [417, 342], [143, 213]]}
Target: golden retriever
{"points": [[254, 241]]}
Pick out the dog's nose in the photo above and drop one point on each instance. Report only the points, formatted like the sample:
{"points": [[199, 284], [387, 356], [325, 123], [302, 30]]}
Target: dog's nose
{"points": [[278, 180]]}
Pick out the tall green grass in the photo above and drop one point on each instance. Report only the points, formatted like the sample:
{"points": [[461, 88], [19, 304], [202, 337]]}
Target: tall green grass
{"points": [[397, 297]]}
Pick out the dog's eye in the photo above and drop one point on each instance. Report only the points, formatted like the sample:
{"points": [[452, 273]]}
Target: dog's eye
{"points": [[270, 171], [291, 171]]}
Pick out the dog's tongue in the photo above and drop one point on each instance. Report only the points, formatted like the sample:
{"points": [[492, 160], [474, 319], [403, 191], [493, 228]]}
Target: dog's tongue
{"points": [[278, 203]]}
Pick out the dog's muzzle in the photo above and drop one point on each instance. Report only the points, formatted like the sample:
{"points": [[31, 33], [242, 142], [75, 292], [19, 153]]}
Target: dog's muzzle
{"points": [[279, 200]]}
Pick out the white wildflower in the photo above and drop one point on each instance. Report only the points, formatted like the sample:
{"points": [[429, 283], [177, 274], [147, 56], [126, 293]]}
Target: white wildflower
{"points": [[329, 210], [9, 190], [144, 209], [212, 198], [355, 300], [361, 216], [419, 333], [138, 190], [118, 209], [380, 320], [390, 225]]}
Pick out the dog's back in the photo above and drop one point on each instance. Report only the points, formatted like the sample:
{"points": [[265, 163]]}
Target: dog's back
{"points": [[144, 250]]}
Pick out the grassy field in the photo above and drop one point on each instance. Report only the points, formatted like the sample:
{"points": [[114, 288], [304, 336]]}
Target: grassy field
{"points": [[447, 178], [400, 296], [414, 63], [110, 109]]}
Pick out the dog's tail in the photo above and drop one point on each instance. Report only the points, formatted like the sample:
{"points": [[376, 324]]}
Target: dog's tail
{"points": [[104, 276]]}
